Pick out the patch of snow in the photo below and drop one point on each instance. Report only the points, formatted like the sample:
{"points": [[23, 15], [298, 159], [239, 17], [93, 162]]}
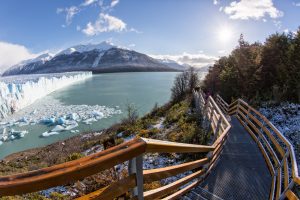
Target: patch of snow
{"points": [[41, 58], [286, 118], [160, 124], [59, 189], [94, 149], [96, 62], [152, 161], [103, 46]]}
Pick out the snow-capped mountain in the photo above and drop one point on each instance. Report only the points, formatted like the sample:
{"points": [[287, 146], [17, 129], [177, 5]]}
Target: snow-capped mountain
{"points": [[41, 58], [103, 46], [28, 65], [103, 57], [173, 64]]}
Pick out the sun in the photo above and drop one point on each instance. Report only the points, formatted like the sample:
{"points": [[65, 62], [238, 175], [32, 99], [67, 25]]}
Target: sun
{"points": [[225, 34]]}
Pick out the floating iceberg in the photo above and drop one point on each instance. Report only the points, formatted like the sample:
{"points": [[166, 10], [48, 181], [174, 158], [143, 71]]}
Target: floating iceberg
{"points": [[61, 120], [18, 134], [58, 128], [73, 116], [65, 127], [47, 134], [97, 114], [11, 134], [50, 120], [89, 121], [71, 126]]}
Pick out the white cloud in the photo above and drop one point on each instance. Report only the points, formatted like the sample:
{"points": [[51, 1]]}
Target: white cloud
{"points": [[252, 9], [195, 60], [114, 3], [11, 54], [131, 45], [88, 2], [216, 2], [296, 4], [277, 23], [105, 23], [221, 51], [134, 30], [71, 12], [59, 10]]}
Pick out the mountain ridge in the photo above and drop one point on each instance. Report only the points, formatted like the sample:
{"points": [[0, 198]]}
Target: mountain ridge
{"points": [[98, 58]]}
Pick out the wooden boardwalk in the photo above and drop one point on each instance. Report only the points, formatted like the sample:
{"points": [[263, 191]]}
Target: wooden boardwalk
{"points": [[240, 174]]}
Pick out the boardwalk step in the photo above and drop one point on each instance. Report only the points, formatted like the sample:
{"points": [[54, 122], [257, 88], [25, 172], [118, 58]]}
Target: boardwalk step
{"points": [[186, 198], [201, 194]]}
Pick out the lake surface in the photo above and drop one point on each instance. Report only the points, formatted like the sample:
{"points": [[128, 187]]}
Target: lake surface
{"points": [[114, 90]]}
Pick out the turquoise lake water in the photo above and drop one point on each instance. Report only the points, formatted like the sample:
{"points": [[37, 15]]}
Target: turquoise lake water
{"points": [[114, 90]]}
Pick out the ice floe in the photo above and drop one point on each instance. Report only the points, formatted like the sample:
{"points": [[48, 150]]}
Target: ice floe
{"points": [[57, 116]]}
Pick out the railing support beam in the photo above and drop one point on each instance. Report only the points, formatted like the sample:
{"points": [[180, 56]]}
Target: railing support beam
{"points": [[135, 166]]}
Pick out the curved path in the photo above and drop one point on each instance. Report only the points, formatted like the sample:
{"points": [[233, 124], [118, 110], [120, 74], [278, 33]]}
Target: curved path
{"points": [[241, 172]]}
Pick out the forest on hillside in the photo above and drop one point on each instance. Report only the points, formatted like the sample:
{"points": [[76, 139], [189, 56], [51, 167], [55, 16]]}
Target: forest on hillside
{"points": [[257, 72]]}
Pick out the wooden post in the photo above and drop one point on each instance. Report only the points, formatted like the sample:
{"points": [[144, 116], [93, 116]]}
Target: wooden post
{"points": [[248, 110], [218, 125], [136, 167], [237, 108]]}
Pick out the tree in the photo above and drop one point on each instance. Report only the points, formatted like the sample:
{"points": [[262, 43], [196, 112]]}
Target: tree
{"points": [[269, 71], [180, 87], [184, 84], [132, 114]]}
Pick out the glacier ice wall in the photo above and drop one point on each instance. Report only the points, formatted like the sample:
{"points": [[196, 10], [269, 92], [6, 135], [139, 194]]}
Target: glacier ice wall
{"points": [[16, 93]]}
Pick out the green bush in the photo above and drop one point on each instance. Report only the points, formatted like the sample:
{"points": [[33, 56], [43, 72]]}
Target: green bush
{"points": [[58, 196], [74, 156]]}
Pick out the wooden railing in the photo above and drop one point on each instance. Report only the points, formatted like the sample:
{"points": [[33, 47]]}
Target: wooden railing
{"points": [[276, 149], [132, 151], [222, 104]]}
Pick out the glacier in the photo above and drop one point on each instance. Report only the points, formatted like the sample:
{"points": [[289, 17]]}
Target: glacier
{"points": [[19, 106], [17, 92]]}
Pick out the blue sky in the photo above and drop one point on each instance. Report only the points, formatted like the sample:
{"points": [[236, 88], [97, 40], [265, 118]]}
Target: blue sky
{"points": [[192, 31]]}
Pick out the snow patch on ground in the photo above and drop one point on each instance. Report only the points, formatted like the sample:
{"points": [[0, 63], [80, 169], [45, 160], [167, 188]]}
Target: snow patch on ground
{"points": [[152, 161], [286, 118], [160, 124], [59, 189]]}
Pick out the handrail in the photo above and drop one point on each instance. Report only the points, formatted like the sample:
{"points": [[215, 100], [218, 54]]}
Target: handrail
{"points": [[165, 172], [131, 151], [271, 142], [112, 191], [159, 146], [67, 172], [222, 104], [162, 191]]}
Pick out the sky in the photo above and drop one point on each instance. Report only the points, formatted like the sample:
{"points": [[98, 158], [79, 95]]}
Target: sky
{"points": [[196, 32]]}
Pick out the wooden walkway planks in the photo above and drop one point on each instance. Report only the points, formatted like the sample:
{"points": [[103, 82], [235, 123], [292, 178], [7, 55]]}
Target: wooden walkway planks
{"points": [[241, 172]]}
